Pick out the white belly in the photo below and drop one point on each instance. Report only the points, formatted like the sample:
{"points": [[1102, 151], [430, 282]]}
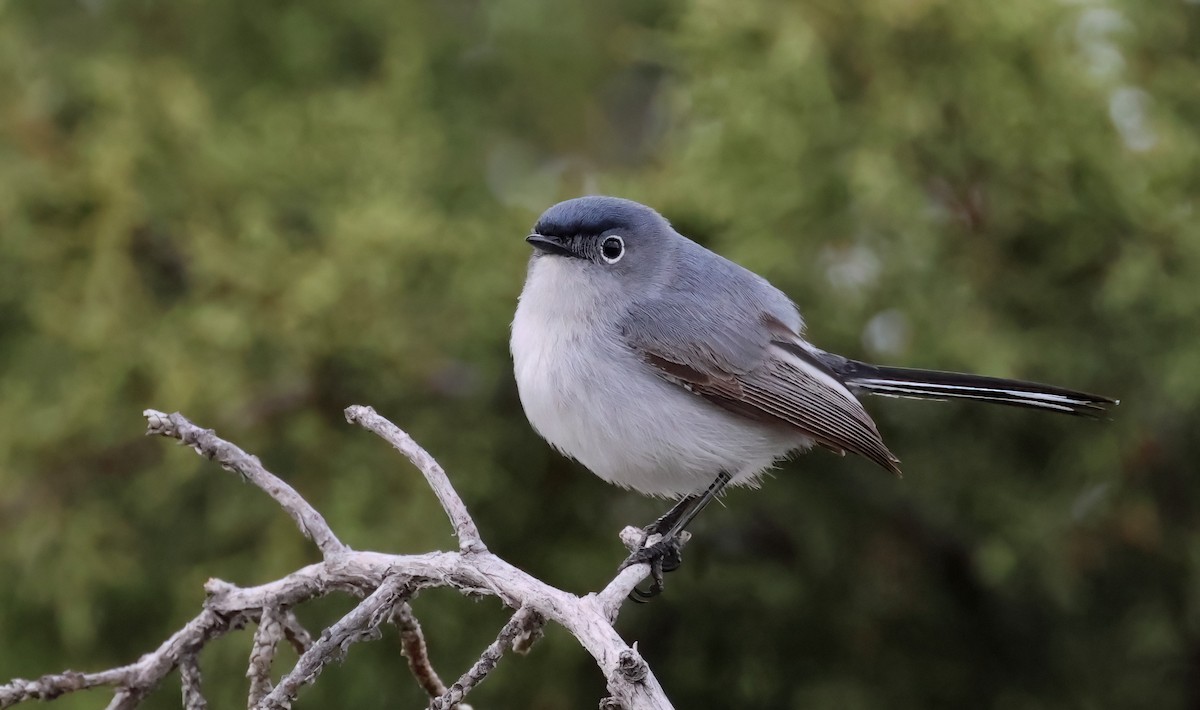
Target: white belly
{"points": [[588, 395]]}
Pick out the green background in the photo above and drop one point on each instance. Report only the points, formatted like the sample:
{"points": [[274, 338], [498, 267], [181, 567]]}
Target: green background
{"points": [[259, 213]]}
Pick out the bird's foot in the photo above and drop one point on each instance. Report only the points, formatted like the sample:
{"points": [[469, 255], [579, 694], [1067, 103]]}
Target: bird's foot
{"points": [[664, 555]]}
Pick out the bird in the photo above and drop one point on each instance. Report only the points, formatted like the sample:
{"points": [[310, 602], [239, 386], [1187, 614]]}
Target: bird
{"points": [[667, 369]]}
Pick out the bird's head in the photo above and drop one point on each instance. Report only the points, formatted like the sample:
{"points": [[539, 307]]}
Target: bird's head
{"points": [[606, 234]]}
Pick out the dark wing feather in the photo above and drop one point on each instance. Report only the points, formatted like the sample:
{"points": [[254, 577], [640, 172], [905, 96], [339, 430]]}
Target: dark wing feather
{"points": [[785, 392], [725, 334]]}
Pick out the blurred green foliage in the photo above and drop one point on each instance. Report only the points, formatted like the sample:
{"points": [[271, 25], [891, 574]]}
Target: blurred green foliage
{"points": [[259, 213]]}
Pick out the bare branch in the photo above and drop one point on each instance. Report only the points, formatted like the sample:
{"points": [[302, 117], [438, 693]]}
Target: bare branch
{"points": [[189, 679], [530, 633], [209, 445], [361, 624], [136, 680], [586, 618], [125, 699], [295, 633], [487, 661], [357, 573], [464, 527], [412, 640], [262, 653], [614, 595], [47, 687], [386, 581]]}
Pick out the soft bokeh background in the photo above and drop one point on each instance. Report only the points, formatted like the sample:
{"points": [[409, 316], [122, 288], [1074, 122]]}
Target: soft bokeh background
{"points": [[259, 213]]}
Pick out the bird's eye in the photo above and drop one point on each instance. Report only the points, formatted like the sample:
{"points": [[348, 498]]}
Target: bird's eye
{"points": [[612, 249]]}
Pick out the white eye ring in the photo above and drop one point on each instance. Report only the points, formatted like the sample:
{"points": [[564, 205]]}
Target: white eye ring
{"points": [[612, 244]]}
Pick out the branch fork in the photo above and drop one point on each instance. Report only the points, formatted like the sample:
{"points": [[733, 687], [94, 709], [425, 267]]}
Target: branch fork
{"points": [[385, 583]]}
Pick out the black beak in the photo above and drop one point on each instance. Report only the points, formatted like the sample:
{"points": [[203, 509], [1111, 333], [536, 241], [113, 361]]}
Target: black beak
{"points": [[550, 245]]}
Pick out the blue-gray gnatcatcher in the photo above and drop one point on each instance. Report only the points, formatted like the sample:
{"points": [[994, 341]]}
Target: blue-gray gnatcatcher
{"points": [[666, 368]]}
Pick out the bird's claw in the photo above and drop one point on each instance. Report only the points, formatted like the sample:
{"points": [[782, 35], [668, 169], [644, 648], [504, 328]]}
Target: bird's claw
{"points": [[663, 556], [637, 596]]}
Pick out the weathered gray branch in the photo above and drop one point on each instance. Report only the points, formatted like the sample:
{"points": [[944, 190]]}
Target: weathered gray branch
{"points": [[295, 632], [487, 661], [210, 446], [412, 642], [384, 583], [262, 653], [586, 618], [464, 526], [189, 679], [362, 623], [135, 680]]}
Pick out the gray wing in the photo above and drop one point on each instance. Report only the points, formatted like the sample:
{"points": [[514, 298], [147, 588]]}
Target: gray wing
{"points": [[740, 348]]}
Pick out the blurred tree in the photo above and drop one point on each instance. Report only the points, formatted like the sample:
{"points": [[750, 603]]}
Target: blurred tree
{"points": [[260, 213]]}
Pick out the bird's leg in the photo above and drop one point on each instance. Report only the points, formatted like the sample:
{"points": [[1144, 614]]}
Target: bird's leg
{"points": [[700, 503], [665, 555], [668, 519]]}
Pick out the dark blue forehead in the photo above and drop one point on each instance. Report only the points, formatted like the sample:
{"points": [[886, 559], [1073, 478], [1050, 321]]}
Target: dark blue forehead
{"points": [[596, 215]]}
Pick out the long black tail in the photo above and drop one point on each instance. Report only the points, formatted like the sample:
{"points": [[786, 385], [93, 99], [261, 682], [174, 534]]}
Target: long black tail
{"points": [[935, 384]]}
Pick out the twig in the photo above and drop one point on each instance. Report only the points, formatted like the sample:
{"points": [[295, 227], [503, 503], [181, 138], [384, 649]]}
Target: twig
{"points": [[295, 633], [189, 680], [262, 653], [361, 572], [412, 641], [125, 699], [209, 445], [361, 624], [468, 535], [487, 661], [135, 680], [385, 580], [614, 595], [529, 633]]}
